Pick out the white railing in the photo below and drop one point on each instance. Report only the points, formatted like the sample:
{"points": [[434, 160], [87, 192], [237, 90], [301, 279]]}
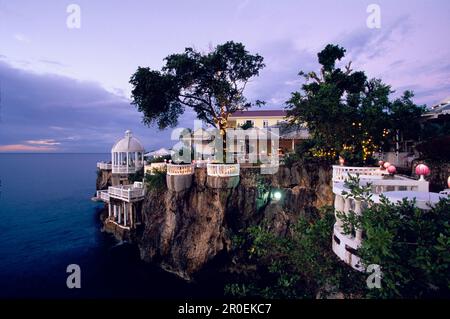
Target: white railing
{"points": [[150, 169], [340, 173], [345, 246], [124, 169], [103, 195], [382, 185], [127, 193], [173, 169], [105, 166], [398, 183], [222, 170]]}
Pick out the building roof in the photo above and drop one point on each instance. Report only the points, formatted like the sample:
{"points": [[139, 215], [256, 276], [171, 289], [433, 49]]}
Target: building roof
{"points": [[259, 113], [159, 153], [439, 109], [128, 144]]}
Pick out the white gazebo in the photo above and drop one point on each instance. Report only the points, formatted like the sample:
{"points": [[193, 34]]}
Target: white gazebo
{"points": [[127, 155]]}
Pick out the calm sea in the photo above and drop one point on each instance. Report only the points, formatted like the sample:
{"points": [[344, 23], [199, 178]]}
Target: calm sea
{"points": [[47, 221]]}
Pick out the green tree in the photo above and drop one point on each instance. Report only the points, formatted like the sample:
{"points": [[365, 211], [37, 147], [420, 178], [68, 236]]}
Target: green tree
{"points": [[348, 114], [212, 84]]}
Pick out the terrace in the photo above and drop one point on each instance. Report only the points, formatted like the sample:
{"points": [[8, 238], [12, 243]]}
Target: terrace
{"points": [[127, 193], [393, 187], [182, 169], [104, 166], [222, 170]]}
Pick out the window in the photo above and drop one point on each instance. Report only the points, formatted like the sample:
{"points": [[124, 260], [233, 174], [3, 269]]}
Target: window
{"points": [[265, 123]]}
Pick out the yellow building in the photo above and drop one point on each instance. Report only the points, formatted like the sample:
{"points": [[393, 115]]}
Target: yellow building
{"points": [[288, 137], [259, 119]]}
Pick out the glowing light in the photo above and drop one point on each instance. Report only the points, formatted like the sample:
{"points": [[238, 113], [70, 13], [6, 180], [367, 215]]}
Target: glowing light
{"points": [[277, 195]]}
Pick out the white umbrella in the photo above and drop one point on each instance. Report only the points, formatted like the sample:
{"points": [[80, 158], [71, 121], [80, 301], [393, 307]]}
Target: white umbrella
{"points": [[159, 153]]}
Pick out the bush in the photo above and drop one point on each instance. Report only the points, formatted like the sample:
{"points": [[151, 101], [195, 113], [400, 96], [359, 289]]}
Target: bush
{"points": [[298, 266], [412, 247], [156, 181]]}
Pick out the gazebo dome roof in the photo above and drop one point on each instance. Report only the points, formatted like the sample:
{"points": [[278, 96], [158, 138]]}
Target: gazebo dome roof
{"points": [[128, 144]]}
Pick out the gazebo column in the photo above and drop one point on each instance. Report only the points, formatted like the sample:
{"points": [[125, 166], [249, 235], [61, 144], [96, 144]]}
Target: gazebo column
{"points": [[131, 216], [120, 214], [125, 213], [109, 210]]}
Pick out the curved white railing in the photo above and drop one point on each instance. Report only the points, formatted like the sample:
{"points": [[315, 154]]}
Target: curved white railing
{"points": [[340, 173], [105, 166], [222, 170], [124, 169], [185, 169], [345, 246]]}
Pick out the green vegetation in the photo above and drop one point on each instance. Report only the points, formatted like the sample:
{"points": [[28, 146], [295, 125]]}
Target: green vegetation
{"points": [[138, 176], [348, 114], [211, 84], [301, 265], [156, 181], [411, 245]]}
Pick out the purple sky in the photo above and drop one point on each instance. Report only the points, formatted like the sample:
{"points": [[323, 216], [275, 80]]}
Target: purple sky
{"points": [[66, 90]]}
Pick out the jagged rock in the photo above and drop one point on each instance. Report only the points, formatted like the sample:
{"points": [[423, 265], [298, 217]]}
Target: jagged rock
{"points": [[183, 231], [104, 178]]}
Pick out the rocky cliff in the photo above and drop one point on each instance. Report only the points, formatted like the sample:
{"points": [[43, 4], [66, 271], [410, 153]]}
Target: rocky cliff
{"points": [[185, 230]]}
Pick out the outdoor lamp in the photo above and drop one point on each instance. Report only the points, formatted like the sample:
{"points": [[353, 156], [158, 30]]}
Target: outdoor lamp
{"points": [[423, 171]]}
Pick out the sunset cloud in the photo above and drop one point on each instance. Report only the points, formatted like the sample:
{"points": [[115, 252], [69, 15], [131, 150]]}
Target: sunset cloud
{"points": [[25, 148]]}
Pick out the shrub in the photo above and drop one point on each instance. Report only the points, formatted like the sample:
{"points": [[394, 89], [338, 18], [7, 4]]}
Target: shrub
{"points": [[411, 245], [298, 266], [156, 181]]}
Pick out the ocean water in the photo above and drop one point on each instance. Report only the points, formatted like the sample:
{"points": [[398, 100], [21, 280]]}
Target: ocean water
{"points": [[47, 221]]}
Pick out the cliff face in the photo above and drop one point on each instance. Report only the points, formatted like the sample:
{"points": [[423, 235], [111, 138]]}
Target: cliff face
{"points": [[184, 230], [104, 178]]}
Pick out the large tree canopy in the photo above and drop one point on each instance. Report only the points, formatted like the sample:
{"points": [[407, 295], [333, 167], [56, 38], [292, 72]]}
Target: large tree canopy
{"points": [[348, 114], [212, 84]]}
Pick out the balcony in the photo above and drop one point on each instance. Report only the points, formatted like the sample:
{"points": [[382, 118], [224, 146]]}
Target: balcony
{"points": [[103, 195], [104, 166], [124, 169], [222, 170], [177, 170], [340, 173], [127, 193]]}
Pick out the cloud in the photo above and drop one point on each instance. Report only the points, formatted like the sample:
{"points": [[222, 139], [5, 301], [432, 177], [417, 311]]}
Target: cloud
{"points": [[280, 77], [366, 44], [52, 62], [43, 142], [72, 115], [25, 148], [21, 38]]}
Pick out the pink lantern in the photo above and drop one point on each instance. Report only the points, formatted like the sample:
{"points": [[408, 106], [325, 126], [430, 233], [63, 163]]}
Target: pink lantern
{"points": [[380, 163], [392, 169], [422, 170], [341, 160], [448, 182], [386, 164]]}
